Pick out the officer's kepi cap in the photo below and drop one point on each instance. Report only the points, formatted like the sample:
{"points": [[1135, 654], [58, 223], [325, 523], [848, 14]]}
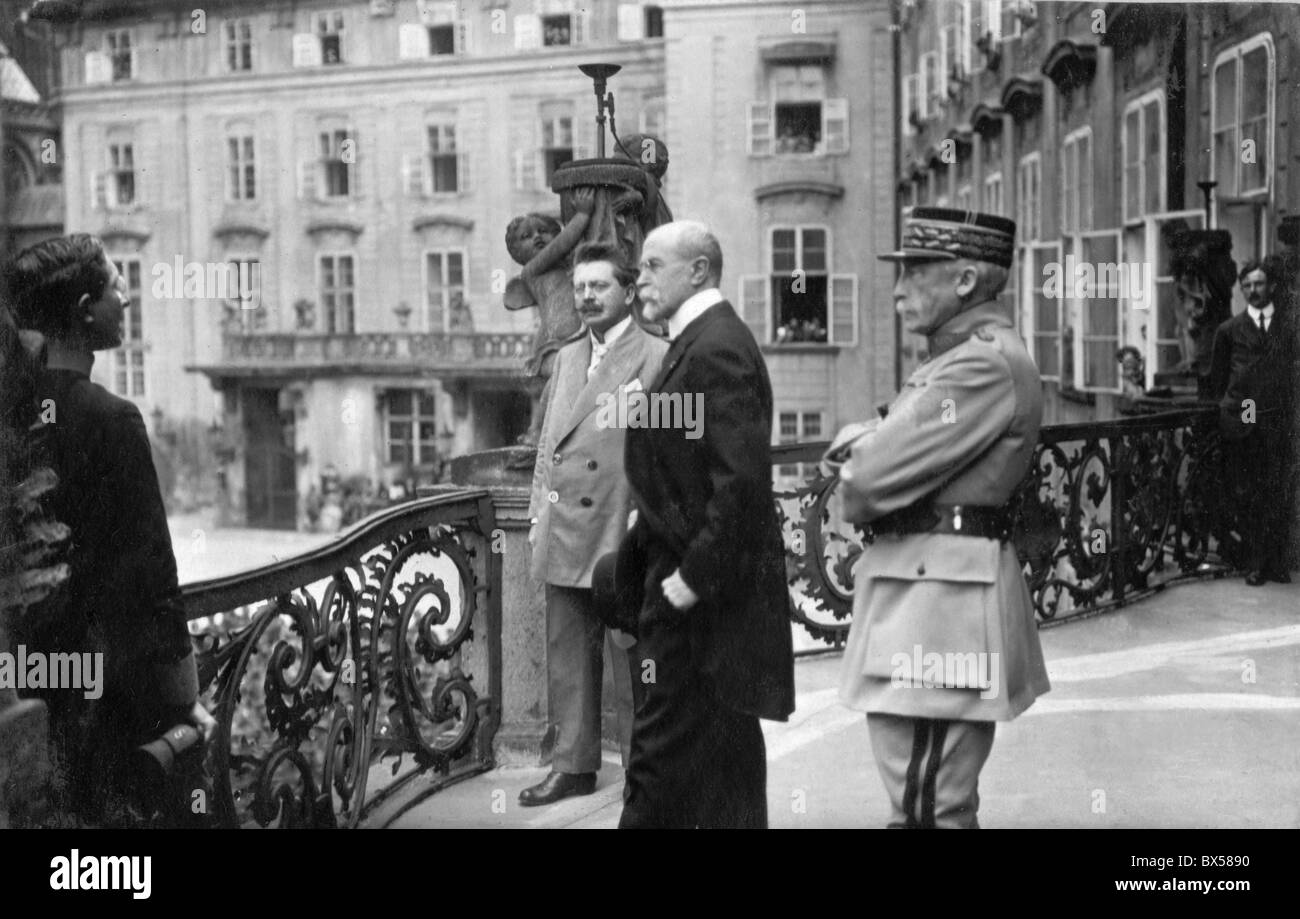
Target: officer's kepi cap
{"points": [[943, 233]]}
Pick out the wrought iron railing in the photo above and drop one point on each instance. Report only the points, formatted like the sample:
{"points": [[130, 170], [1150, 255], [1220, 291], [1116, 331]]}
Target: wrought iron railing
{"points": [[1109, 512], [382, 645]]}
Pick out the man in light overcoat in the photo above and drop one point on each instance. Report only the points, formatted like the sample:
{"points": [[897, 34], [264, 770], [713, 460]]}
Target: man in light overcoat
{"points": [[580, 505], [943, 642]]}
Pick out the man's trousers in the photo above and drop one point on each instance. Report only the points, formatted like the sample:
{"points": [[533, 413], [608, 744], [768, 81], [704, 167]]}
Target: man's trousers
{"points": [[1258, 475], [695, 762], [575, 642], [931, 768]]}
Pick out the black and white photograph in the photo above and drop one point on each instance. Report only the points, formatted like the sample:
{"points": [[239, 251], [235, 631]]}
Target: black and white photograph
{"points": [[540, 414]]}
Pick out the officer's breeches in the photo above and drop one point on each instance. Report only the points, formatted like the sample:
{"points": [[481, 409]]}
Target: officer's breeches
{"points": [[930, 768]]}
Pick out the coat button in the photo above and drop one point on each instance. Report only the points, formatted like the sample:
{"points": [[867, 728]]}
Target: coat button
{"points": [[920, 570], [591, 464], [553, 497], [556, 459], [585, 502]]}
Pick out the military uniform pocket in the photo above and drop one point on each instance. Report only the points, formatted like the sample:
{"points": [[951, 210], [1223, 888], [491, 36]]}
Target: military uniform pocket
{"points": [[928, 595]]}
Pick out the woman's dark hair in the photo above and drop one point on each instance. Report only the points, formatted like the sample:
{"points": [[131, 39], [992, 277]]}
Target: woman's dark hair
{"points": [[1127, 349], [46, 280]]}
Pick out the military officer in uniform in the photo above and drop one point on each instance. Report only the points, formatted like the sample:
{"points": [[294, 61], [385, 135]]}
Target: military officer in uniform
{"points": [[943, 642]]}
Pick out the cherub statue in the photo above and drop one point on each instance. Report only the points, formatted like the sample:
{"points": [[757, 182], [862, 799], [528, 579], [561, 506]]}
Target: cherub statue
{"points": [[542, 245]]}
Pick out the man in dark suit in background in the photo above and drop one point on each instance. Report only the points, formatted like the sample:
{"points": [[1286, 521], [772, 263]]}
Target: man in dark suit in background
{"points": [[1250, 375], [714, 647]]}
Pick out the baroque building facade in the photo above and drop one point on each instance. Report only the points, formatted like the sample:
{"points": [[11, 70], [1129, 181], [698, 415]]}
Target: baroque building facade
{"points": [[1094, 127], [355, 165]]}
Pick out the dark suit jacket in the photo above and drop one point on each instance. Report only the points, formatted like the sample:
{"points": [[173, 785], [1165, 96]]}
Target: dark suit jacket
{"points": [[121, 596], [1247, 364], [706, 505]]}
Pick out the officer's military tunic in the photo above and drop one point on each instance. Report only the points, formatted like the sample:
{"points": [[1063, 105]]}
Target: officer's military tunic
{"points": [[963, 432]]}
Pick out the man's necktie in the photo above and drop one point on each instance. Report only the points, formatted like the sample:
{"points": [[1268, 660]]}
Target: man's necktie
{"points": [[598, 350]]}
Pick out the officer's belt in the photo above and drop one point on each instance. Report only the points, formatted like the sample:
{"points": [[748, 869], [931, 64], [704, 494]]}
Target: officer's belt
{"points": [[954, 519]]}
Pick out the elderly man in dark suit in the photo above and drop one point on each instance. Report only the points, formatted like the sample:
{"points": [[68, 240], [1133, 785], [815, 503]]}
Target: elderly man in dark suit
{"points": [[1250, 375], [580, 505], [714, 651]]}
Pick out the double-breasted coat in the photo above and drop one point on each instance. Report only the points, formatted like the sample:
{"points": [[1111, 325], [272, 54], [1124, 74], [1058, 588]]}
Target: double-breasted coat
{"points": [[961, 432]]}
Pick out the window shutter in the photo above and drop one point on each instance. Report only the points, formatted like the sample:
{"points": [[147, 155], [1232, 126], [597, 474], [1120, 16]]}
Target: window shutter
{"points": [[412, 41], [464, 36], [581, 27], [307, 171], [526, 172], [354, 167], [413, 173], [754, 306], [99, 190], [98, 68], [528, 31], [844, 309], [584, 127], [760, 129], [306, 50], [463, 173], [835, 125], [631, 22]]}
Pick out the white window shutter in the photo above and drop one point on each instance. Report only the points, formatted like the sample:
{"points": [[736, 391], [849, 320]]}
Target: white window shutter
{"points": [[306, 50], [464, 36], [835, 125], [99, 190], [844, 309], [354, 167], [415, 175], [412, 41], [463, 173], [909, 102], [631, 22], [307, 171], [526, 172], [754, 306], [760, 129], [581, 31], [98, 68], [528, 31]]}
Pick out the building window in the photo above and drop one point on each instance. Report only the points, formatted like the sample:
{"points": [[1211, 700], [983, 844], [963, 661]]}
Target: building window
{"points": [[329, 29], [444, 279], [442, 39], [652, 120], [1165, 348], [1099, 309], [1076, 182], [337, 151], [557, 30], [799, 119], [121, 175], [799, 284], [965, 198], [242, 171], [244, 298], [1241, 106], [932, 92], [993, 203], [443, 160], [654, 21], [955, 40], [1041, 312], [128, 360], [1143, 142], [117, 44], [1029, 205], [338, 294], [411, 427], [239, 45], [798, 427], [557, 137]]}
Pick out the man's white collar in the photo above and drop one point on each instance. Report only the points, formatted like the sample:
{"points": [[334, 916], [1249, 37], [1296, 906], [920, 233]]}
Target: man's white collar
{"points": [[692, 309]]}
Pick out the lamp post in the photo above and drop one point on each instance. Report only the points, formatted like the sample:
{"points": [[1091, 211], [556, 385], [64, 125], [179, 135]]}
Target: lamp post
{"points": [[599, 73]]}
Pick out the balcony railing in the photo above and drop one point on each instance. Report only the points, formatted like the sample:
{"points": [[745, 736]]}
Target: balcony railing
{"points": [[501, 353], [382, 645], [1109, 512], [385, 645]]}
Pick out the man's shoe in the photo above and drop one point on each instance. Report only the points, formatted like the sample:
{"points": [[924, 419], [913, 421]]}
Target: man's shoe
{"points": [[1255, 578], [557, 786], [1280, 576]]}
